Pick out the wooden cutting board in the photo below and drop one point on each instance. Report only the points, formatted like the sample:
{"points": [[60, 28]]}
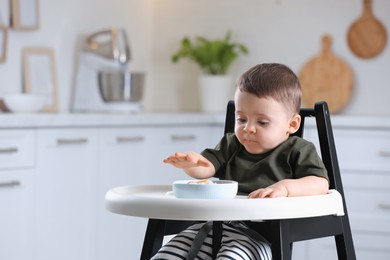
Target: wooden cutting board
{"points": [[3, 42], [367, 36], [326, 77]]}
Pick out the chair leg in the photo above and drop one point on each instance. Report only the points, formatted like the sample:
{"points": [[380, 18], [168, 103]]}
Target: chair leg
{"points": [[153, 238], [345, 248], [344, 242], [281, 245], [217, 237]]}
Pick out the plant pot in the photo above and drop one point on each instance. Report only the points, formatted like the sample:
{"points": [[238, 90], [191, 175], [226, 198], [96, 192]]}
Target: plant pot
{"points": [[215, 92]]}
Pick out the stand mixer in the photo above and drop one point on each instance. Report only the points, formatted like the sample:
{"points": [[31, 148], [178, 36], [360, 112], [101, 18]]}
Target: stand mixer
{"points": [[102, 82]]}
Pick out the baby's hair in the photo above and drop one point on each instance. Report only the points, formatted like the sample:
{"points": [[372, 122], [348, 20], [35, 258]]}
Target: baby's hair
{"points": [[273, 80]]}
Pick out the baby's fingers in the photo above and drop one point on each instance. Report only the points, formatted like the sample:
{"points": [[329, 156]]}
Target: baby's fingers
{"points": [[260, 193], [170, 159], [255, 194], [175, 158]]}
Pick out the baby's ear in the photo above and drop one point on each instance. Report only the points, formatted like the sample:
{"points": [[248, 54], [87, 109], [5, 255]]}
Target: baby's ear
{"points": [[294, 124]]}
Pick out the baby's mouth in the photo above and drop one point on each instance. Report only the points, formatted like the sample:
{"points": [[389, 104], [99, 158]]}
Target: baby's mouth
{"points": [[249, 140]]}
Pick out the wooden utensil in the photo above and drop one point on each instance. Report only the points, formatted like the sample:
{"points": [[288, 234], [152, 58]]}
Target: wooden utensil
{"points": [[326, 77], [3, 43], [367, 36]]}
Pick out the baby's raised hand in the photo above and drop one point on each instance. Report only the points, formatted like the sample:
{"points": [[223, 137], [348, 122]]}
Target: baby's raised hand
{"points": [[187, 160]]}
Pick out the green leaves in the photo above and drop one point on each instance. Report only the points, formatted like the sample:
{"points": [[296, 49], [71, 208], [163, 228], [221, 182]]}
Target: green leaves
{"points": [[213, 56]]}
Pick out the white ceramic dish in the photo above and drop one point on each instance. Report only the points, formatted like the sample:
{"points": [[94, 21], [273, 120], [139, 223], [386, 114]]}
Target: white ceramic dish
{"points": [[24, 103], [221, 189]]}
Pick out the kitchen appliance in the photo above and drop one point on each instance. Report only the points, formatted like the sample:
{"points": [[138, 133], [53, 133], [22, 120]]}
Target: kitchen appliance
{"points": [[102, 81]]}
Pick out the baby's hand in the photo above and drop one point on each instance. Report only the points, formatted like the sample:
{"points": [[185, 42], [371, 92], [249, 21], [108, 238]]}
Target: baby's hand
{"points": [[273, 191], [187, 160]]}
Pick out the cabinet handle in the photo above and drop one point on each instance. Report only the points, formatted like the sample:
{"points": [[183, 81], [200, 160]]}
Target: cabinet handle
{"points": [[64, 141], [130, 139], [8, 150], [183, 137], [9, 184], [384, 153], [384, 206]]}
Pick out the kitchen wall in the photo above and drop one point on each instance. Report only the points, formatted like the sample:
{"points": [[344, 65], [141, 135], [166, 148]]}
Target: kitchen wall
{"points": [[287, 31]]}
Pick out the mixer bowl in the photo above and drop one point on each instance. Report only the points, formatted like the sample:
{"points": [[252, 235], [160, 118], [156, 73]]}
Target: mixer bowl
{"points": [[121, 86]]}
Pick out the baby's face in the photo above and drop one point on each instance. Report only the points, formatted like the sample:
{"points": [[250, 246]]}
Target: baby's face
{"points": [[262, 123]]}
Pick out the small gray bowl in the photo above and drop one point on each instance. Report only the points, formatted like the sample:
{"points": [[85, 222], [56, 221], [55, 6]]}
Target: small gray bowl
{"points": [[119, 86]]}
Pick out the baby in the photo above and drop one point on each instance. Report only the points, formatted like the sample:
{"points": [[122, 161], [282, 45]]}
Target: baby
{"points": [[261, 155]]}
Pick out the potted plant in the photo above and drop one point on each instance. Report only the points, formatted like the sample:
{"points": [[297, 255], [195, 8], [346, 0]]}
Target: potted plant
{"points": [[214, 57]]}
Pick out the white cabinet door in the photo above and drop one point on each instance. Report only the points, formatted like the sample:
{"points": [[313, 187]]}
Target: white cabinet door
{"points": [[16, 194], [17, 214], [131, 156], [66, 187], [123, 156]]}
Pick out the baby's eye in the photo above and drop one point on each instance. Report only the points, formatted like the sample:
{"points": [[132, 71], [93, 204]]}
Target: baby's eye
{"points": [[263, 123], [241, 120]]}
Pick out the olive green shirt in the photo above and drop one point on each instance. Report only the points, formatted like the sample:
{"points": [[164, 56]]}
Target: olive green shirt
{"points": [[295, 158]]}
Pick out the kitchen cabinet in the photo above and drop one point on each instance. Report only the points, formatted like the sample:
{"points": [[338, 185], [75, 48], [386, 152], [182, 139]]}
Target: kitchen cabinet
{"points": [[58, 176], [131, 156], [364, 158], [65, 193], [123, 157], [54, 175], [17, 215]]}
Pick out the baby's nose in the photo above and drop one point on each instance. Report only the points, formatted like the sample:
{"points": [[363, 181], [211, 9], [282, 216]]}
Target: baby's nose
{"points": [[250, 128]]}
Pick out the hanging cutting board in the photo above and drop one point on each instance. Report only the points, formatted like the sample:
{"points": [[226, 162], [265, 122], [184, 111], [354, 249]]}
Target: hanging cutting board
{"points": [[3, 42], [367, 36], [326, 77]]}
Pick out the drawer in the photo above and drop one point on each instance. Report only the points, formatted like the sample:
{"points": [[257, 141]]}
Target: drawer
{"points": [[371, 245], [363, 149], [123, 136], [65, 139], [17, 148], [187, 138], [368, 201], [367, 246]]}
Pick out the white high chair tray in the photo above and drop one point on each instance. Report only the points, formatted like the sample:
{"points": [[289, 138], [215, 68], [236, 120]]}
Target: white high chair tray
{"points": [[156, 201]]}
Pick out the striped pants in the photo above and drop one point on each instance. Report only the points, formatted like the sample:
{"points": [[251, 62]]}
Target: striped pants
{"points": [[238, 242]]}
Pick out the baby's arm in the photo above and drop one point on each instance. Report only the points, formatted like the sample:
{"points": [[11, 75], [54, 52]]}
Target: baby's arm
{"points": [[194, 164], [309, 185]]}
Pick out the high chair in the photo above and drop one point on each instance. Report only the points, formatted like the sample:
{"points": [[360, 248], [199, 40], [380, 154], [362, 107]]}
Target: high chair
{"points": [[293, 219]]}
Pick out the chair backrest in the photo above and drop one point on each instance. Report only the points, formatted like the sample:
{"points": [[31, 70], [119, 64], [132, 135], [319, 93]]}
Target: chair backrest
{"points": [[325, 137]]}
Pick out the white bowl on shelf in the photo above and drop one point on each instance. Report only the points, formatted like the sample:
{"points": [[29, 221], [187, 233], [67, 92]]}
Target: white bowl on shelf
{"points": [[220, 189], [24, 103]]}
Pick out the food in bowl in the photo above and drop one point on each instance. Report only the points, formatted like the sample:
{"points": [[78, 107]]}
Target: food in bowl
{"points": [[205, 189], [201, 182]]}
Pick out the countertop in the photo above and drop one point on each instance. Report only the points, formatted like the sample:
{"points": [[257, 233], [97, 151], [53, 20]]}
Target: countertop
{"points": [[50, 120], [53, 120]]}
